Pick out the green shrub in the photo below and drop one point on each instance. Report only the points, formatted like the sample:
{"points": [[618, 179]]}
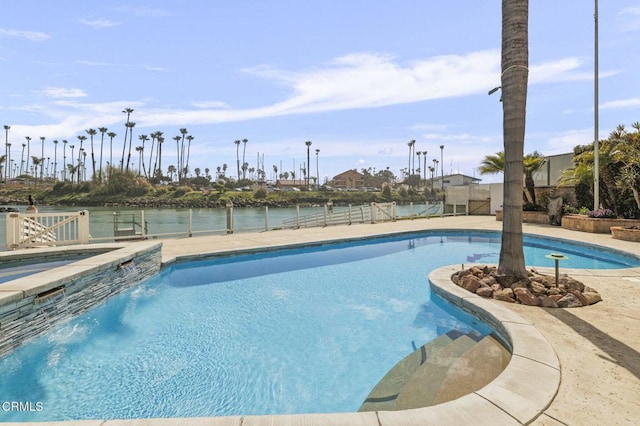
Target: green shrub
{"points": [[260, 194]]}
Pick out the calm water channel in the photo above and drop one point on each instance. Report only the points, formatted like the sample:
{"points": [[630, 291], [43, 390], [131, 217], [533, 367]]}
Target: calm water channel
{"points": [[168, 222]]}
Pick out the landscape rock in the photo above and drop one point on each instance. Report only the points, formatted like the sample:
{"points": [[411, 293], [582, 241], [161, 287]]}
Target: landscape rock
{"points": [[534, 290], [569, 301], [525, 297]]}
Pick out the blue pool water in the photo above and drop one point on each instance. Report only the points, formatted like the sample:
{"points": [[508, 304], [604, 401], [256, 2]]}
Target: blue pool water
{"points": [[292, 331]]}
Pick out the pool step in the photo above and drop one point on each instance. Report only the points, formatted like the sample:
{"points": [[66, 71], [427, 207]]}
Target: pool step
{"points": [[452, 365]]}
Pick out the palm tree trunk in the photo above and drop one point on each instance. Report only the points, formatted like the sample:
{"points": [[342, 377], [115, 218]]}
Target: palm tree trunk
{"points": [[515, 72]]}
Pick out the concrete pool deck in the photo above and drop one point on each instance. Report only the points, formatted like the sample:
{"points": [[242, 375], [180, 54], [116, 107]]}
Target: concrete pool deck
{"points": [[597, 347]]}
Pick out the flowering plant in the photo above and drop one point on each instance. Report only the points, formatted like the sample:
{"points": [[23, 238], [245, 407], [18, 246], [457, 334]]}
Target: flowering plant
{"points": [[602, 214]]}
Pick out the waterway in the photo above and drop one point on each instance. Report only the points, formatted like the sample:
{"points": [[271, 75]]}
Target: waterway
{"points": [[171, 222]]}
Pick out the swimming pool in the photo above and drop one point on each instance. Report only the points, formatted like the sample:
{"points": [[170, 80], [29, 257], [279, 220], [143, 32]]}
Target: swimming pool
{"points": [[299, 330]]}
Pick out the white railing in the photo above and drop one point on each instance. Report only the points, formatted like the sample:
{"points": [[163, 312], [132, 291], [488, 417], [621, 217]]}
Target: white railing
{"points": [[46, 229], [376, 212]]}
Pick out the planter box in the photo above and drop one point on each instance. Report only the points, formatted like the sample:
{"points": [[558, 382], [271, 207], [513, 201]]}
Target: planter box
{"points": [[528, 217], [626, 234], [577, 222]]}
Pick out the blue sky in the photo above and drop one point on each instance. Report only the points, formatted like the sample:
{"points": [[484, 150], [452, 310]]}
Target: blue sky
{"points": [[358, 78]]}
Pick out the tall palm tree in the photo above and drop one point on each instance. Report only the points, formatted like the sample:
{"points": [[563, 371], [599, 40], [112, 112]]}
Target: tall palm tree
{"points": [[183, 132], [514, 79], [130, 126], [102, 130], [410, 145], [42, 158], [143, 138], [140, 149], [111, 136], [55, 158], [244, 149], [81, 138], [24, 145], [127, 111], [26, 167], [317, 169], [308, 144], [6, 151], [159, 155], [186, 167], [177, 139], [64, 160], [237, 142], [153, 142], [92, 133]]}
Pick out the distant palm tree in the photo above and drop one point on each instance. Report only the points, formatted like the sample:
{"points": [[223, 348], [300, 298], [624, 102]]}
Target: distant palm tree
{"points": [[6, 152], [143, 138], [127, 111], [72, 170], [411, 144], [244, 149], [130, 125], [152, 172], [81, 138], [28, 154], [178, 139], [237, 142], [171, 170], [55, 159], [36, 162], [42, 158], [140, 149], [159, 156], [24, 145], [92, 133], [111, 136], [183, 132], [3, 160], [308, 144], [189, 139], [102, 130], [64, 160]]}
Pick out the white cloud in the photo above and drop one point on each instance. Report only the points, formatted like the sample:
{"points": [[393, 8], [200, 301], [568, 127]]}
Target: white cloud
{"points": [[630, 18], [622, 103], [210, 104], [61, 92], [29, 35], [99, 23]]}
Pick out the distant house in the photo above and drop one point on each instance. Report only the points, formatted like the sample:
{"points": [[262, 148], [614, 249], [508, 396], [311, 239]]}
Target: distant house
{"points": [[454, 180], [350, 179], [290, 183]]}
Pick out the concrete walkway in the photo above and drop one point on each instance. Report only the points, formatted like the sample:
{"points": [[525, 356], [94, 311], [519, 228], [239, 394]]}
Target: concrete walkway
{"points": [[598, 346]]}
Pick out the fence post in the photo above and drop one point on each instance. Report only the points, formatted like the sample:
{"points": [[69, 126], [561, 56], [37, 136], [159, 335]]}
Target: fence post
{"points": [[229, 217], [325, 214], [143, 228], [393, 211], [190, 222], [349, 214], [373, 212], [297, 216], [83, 227], [266, 218], [411, 210], [13, 221]]}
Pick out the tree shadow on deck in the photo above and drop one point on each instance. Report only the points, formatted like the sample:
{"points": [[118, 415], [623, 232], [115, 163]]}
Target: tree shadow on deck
{"points": [[619, 353]]}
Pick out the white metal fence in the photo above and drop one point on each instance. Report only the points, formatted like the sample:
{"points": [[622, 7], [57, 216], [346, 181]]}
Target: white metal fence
{"points": [[46, 229]]}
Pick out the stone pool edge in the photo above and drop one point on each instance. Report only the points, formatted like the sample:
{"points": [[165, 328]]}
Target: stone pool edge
{"points": [[31, 305]]}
